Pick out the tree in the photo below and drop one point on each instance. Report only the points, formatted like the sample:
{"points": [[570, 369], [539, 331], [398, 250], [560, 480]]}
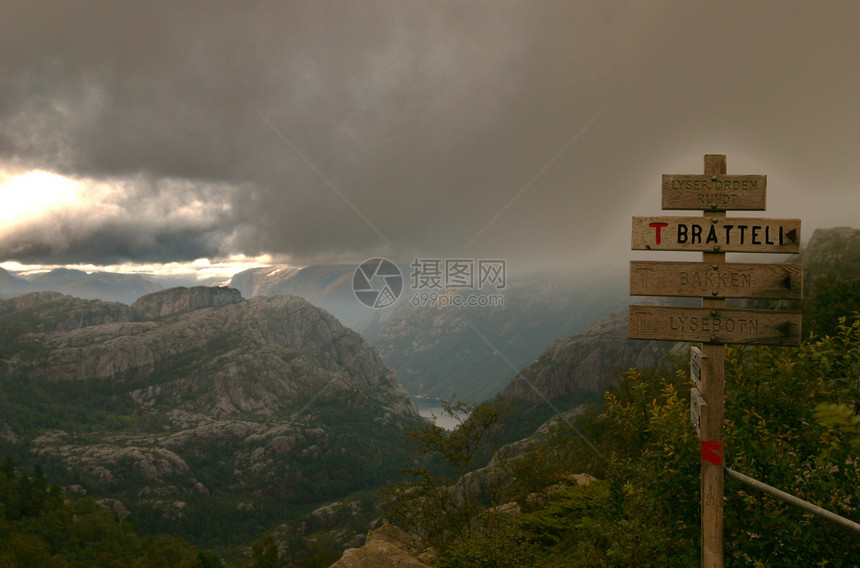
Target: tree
{"points": [[440, 507], [207, 560], [265, 552], [830, 299], [789, 424], [164, 551]]}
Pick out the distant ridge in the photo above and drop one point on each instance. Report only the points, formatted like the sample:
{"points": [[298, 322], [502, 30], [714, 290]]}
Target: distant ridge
{"points": [[107, 286]]}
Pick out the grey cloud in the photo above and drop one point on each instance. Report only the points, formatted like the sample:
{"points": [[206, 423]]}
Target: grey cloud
{"points": [[130, 219], [428, 118]]}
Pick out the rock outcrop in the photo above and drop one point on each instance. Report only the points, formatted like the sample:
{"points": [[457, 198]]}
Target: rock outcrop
{"points": [[387, 546], [291, 348], [181, 300]]}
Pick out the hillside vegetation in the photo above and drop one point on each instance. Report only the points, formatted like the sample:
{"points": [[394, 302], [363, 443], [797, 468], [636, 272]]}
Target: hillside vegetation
{"points": [[40, 527], [791, 421]]}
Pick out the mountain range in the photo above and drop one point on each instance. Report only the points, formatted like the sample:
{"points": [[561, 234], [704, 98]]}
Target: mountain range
{"points": [[472, 352], [436, 352], [97, 285], [108, 286]]}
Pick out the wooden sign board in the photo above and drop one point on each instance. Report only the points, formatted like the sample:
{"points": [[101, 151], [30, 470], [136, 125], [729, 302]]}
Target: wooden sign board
{"points": [[697, 368], [714, 193], [715, 234], [697, 410], [725, 280], [724, 325]]}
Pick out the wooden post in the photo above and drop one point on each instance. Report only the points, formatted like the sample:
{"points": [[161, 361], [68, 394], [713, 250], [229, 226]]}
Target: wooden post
{"points": [[713, 392]]}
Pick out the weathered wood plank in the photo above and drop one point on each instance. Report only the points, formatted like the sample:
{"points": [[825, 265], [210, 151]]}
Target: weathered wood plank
{"points": [[715, 192], [719, 326], [697, 368], [716, 234], [723, 280], [698, 410]]}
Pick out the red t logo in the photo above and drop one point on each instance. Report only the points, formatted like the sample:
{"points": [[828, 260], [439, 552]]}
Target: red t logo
{"points": [[658, 226]]}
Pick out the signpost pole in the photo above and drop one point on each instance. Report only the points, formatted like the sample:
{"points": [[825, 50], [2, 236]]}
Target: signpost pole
{"points": [[713, 392]]}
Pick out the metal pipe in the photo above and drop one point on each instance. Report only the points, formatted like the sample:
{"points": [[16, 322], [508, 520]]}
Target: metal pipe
{"points": [[792, 500]]}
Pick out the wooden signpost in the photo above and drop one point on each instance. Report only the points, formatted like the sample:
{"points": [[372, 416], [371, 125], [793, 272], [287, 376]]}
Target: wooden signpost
{"points": [[714, 280], [716, 234], [714, 192], [729, 280], [725, 325]]}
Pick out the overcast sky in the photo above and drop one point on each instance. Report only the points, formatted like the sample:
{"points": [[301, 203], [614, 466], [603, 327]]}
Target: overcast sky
{"points": [[157, 132]]}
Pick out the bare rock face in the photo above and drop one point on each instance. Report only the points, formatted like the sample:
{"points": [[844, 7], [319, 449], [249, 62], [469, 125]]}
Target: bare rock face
{"points": [[116, 507], [290, 348], [585, 362], [182, 300], [115, 465], [386, 546]]}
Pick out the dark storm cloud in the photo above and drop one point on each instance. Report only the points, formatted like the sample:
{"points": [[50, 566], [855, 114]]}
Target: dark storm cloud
{"points": [[110, 243], [359, 128]]}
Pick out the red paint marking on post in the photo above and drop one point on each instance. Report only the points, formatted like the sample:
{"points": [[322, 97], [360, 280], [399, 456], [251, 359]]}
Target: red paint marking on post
{"points": [[658, 226], [712, 452]]}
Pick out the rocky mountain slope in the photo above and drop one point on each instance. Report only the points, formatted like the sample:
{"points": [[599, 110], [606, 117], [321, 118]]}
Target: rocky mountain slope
{"points": [[193, 403], [586, 362]]}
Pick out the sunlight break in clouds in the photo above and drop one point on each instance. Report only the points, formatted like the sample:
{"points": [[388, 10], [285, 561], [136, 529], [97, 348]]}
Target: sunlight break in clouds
{"points": [[133, 219], [202, 269], [31, 195]]}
